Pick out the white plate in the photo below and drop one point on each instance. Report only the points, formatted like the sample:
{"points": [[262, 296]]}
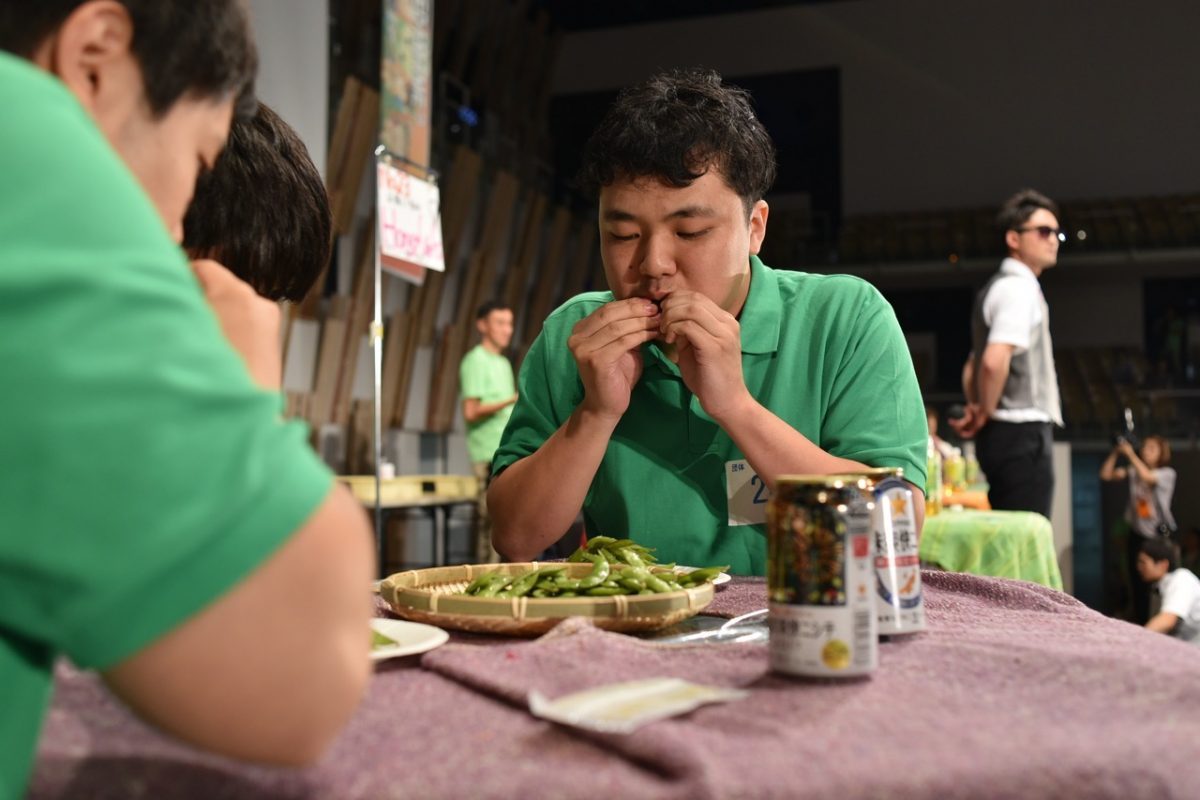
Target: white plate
{"points": [[410, 638], [717, 581]]}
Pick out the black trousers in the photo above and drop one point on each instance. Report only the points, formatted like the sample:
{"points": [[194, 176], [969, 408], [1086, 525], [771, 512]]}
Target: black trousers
{"points": [[1018, 460]]}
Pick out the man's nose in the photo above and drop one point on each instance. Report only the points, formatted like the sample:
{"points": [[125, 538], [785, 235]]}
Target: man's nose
{"points": [[657, 257]]}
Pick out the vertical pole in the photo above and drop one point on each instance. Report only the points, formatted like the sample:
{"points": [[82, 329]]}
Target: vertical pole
{"points": [[377, 415]]}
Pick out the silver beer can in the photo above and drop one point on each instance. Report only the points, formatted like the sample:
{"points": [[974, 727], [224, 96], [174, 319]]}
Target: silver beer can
{"points": [[898, 597]]}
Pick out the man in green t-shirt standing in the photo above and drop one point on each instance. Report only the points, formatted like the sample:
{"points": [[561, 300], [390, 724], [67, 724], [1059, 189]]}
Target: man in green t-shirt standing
{"points": [[485, 378], [667, 408], [154, 504]]}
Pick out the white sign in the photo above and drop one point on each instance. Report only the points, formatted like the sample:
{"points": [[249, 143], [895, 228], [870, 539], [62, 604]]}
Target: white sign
{"points": [[410, 226], [747, 492]]}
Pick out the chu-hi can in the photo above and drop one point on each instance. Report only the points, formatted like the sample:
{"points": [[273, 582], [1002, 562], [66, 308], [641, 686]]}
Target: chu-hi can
{"points": [[898, 596], [820, 577]]}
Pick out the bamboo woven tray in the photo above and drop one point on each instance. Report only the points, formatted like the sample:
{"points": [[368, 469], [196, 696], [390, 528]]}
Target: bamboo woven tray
{"points": [[433, 596]]}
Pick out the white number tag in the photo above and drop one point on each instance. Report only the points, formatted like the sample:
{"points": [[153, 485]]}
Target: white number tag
{"points": [[748, 494]]}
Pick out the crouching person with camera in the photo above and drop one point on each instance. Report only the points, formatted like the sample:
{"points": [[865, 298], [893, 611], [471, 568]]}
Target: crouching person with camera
{"points": [[1148, 512], [1178, 613]]}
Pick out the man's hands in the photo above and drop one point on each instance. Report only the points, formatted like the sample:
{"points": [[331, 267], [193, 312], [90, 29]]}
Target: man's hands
{"points": [[708, 344], [605, 346], [708, 347], [249, 322], [972, 420]]}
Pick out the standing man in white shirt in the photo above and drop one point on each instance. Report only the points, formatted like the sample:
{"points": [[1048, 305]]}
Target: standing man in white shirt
{"points": [[1009, 378], [1179, 612]]}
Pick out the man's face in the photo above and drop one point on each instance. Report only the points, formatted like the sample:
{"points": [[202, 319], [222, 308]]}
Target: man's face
{"points": [[1149, 569], [167, 154], [1031, 247], [497, 328], [657, 239]]}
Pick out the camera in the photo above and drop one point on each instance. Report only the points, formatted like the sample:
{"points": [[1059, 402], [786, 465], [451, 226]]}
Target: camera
{"points": [[1128, 435], [1134, 442]]}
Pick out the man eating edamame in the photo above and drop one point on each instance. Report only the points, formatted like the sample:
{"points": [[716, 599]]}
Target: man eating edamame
{"points": [[666, 407]]}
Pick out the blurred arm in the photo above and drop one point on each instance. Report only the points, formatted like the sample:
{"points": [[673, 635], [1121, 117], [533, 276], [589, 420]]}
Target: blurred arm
{"points": [[284, 652]]}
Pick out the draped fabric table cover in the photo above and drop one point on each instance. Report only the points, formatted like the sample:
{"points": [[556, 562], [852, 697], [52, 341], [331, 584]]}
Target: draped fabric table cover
{"points": [[1015, 691], [1001, 544]]}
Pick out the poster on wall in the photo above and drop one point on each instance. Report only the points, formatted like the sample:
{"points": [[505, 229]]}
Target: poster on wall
{"points": [[407, 101], [410, 224]]}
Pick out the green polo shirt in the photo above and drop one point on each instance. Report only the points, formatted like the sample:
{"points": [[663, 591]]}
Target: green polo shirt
{"points": [[142, 473], [487, 377], [822, 352]]}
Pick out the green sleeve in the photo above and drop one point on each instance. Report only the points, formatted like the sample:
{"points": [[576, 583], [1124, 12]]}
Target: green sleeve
{"points": [[149, 473], [471, 377], [875, 413]]}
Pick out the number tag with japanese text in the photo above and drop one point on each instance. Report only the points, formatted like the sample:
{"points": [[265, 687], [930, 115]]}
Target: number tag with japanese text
{"points": [[748, 494]]}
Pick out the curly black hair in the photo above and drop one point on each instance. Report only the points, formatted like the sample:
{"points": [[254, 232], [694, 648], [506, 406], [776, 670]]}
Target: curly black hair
{"points": [[675, 127]]}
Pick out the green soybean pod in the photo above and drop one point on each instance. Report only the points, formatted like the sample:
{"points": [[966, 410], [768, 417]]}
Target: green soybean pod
{"points": [[521, 586], [631, 582], [596, 542], [657, 584], [613, 556], [598, 575], [478, 583], [604, 591]]}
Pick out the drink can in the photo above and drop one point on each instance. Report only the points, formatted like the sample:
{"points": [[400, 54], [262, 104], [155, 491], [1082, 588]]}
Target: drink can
{"points": [[898, 597], [820, 577]]}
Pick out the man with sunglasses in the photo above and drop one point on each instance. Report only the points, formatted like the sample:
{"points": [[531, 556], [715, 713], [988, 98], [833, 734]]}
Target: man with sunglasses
{"points": [[1009, 378]]}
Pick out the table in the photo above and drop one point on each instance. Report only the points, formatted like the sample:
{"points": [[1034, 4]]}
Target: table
{"points": [[1004, 544], [435, 494], [1016, 691], [967, 498]]}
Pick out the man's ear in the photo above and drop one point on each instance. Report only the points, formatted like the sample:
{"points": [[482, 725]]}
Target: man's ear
{"points": [[1012, 240], [91, 52], [758, 225]]}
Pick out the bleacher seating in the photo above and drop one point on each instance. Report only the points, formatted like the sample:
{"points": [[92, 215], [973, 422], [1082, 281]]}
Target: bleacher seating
{"points": [[1098, 383], [950, 235]]}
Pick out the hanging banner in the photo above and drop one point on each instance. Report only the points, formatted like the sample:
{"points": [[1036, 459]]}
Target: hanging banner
{"points": [[410, 224], [407, 94]]}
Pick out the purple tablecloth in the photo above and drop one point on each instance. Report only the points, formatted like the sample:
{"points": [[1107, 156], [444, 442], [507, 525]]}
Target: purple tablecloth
{"points": [[1015, 691]]}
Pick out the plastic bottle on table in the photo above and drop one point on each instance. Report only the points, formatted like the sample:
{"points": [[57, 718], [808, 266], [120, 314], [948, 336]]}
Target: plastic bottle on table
{"points": [[933, 480], [971, 467], [955, 470]]}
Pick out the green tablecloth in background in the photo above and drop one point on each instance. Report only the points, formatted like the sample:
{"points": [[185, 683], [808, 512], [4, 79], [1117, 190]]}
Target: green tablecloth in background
{"points": [[1003, 544]]}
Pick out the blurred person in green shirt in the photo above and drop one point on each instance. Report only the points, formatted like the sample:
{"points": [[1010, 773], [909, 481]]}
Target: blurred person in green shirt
{"points": [[155, 504], [485, 378]]}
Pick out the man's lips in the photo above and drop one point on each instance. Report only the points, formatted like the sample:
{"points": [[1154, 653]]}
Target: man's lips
{"points": [[655, 297]]}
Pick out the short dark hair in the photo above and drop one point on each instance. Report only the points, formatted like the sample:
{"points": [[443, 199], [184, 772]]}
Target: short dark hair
{"points": [[1161, 550], [490, 306], [1017, 209], [675, 127], [262, 210], [200, 47]]}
